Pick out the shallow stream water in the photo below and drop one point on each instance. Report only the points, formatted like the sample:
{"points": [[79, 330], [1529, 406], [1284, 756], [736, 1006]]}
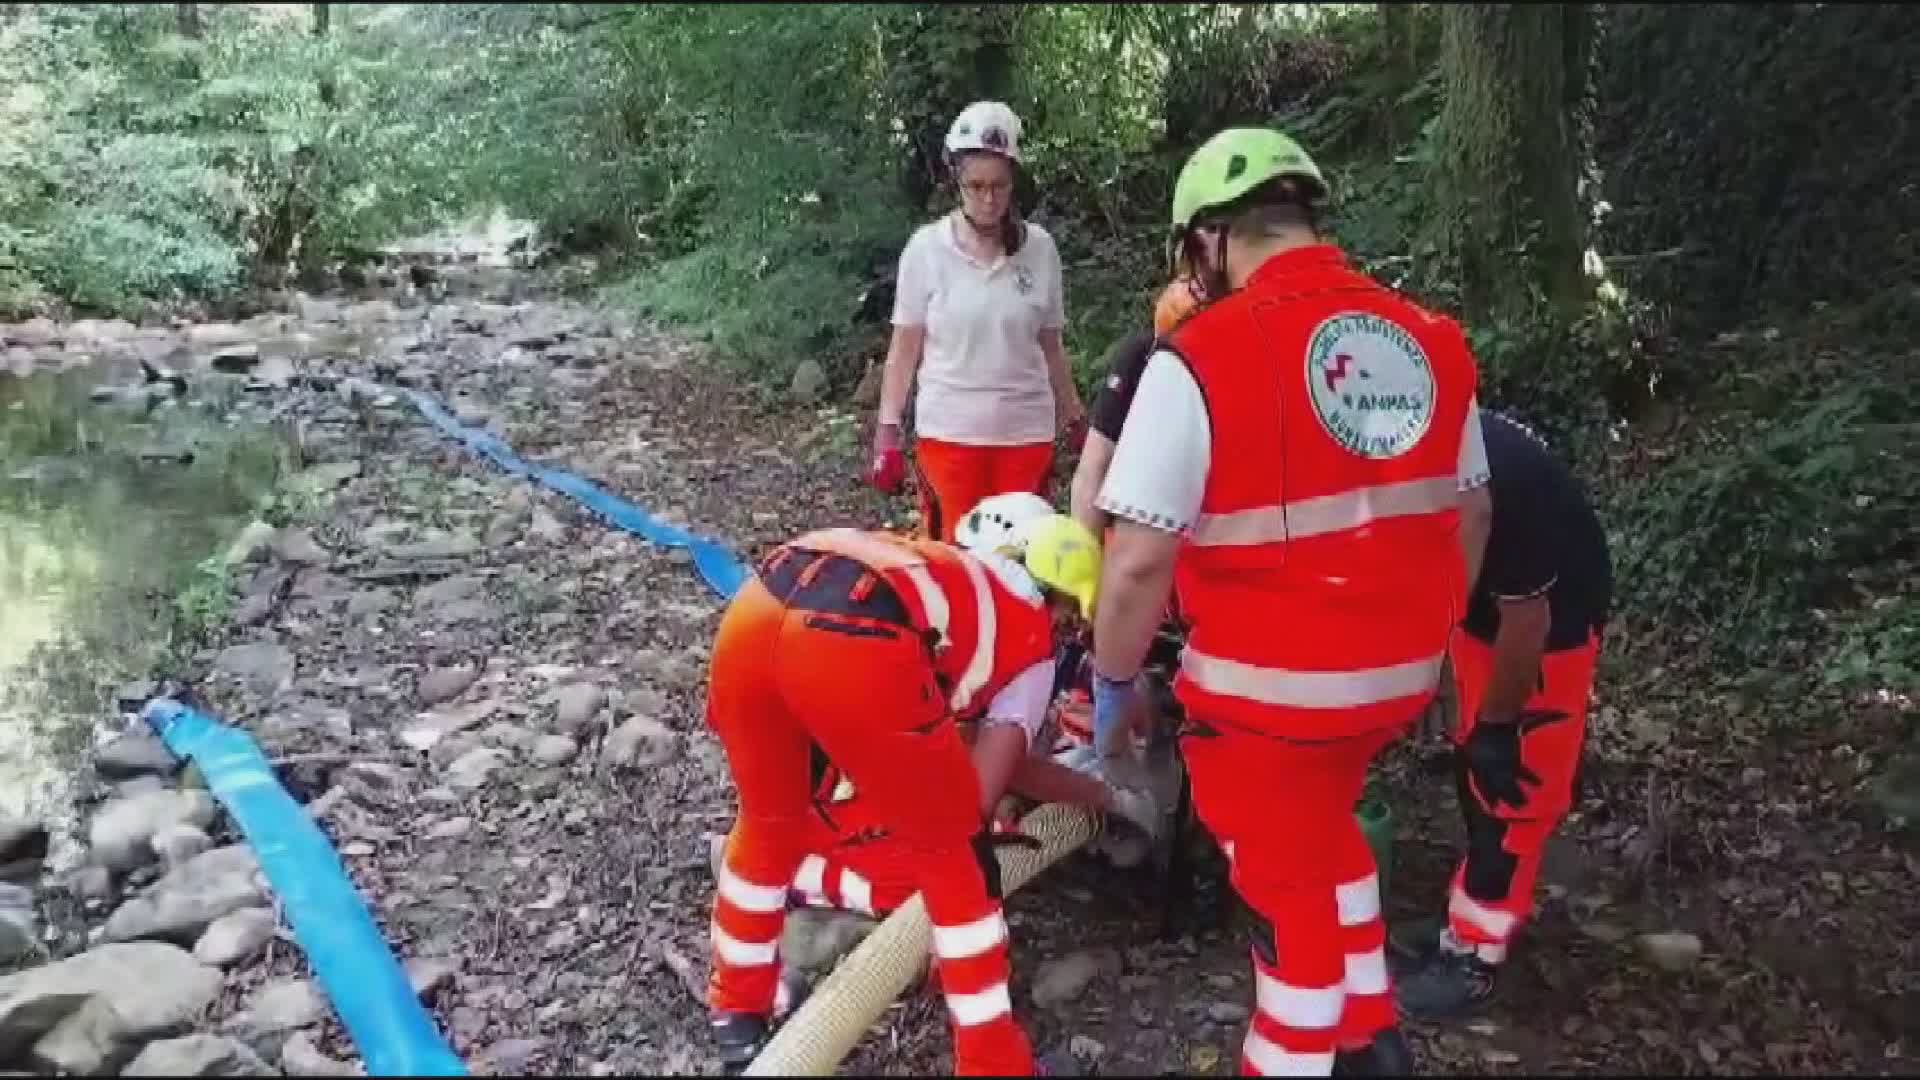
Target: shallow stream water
{"points": [[109, 512]]}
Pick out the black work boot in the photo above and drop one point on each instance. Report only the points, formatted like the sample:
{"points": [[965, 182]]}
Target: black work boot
{"points": [[739, 1037], [1057, 1062], [1387, 1055], [1452, 985]]}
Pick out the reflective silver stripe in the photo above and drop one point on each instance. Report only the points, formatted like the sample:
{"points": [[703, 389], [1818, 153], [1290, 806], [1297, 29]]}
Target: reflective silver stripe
{"points": [[969, 939], [1359, 901], [933, 602], [1311, 689], [748, 897], [1270, 1060], [1298, 1007], [811, 877], [856, 892], [1325, 514], [743, 953], [986, 628], [1367, 973], [1491, 922], [969, 1010]]}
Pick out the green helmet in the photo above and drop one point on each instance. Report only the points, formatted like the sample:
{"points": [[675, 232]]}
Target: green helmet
{"points": [[1233, 163]]}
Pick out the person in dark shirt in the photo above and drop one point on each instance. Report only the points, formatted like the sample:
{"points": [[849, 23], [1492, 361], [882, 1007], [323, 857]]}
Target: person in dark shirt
{"points": [[1523, 665], [1126, 359]]}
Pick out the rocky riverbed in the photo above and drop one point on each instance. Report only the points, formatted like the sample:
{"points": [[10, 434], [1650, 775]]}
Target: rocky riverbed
{"points": [[491, 701]]}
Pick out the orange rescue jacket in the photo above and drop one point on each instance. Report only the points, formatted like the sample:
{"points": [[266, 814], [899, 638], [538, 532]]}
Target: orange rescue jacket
{"points": [[982, 632]]}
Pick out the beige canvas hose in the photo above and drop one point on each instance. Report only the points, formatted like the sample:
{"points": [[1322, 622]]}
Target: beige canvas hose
{"points": [[820, 1034]]}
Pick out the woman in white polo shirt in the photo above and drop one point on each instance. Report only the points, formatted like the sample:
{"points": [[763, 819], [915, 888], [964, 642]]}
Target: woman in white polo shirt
{"points": [[977, 316]]}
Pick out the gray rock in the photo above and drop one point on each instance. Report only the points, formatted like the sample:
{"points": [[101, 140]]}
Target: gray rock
{"points": [[91, 883], [428, 974], [181, 905], [1227, 1012], [1064, 979], [1670, 952], [121, 833], [264, 666], [300, 1057], [554, 749], [640, 742], [328, 475], [234, 937], [15, 897], [19, 935], [132, 696], [575, 705], [451, 829], [197, 1055], [369, 602], [545, 526], [96, 1008], [438, 546], [139, 785], [809, 379], [135, 754], [22, 838], [449, 591], [471, 770], [446, 683], [283, 1005], [176, 844], [814, 940], [253, 541], [299, 546]]}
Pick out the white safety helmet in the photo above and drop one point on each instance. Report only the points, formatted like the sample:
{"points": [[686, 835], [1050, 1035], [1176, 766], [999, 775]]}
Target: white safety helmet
{"points": [[997, 525], [985, 125]]}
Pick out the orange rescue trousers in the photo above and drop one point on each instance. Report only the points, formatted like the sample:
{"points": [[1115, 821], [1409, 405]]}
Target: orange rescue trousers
{"points": [[954, 477], [1492, 891], [785, 678], [1283, 813]]}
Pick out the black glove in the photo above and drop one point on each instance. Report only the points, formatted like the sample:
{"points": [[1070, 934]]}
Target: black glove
{"points": [[1493, 762]]}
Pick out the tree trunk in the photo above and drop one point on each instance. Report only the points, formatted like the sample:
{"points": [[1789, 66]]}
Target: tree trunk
{"points": [[1510, 155], [1397, 36]]}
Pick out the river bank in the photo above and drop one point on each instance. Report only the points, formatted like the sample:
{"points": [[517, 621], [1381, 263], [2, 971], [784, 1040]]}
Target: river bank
{"points": [[491, 702]]}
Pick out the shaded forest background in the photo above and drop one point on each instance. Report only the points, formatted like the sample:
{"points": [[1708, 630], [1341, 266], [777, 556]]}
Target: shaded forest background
{"points": [[1682, 236]]}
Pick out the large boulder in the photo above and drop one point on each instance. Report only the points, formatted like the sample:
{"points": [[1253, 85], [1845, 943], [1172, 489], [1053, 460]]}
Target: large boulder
{"points": [[181, 905], [121, 833], [90, 1013], [198, 1055]]}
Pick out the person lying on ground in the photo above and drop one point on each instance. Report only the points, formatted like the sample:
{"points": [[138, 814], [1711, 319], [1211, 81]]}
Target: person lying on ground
{"points": [[870, 649]]}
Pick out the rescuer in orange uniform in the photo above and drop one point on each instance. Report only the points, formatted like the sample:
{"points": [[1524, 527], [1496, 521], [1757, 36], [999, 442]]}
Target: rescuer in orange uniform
{"points": [[1523, 663], [1298, 457], [870, 647]]}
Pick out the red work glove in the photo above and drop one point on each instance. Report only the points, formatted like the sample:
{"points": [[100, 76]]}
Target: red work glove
{"points": [[1076, 434], [887, 471]]}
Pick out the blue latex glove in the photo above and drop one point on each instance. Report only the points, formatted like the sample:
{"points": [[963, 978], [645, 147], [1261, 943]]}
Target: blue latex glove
{"points": [[1112, 706]]}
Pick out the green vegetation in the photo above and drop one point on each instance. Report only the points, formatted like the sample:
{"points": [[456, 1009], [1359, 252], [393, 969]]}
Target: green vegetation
{"points": [[1681, 236]]}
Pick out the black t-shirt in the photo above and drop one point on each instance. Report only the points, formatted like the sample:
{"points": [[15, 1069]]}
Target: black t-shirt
{"points": [[1546, 539], [1126, 360]]}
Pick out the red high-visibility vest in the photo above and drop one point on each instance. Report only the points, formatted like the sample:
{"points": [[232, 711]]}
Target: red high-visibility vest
{"points": [[984, 632], [1323, 575]]}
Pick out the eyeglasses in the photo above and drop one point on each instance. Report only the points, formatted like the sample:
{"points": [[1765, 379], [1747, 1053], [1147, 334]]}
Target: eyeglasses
{"points": [[982, 189]]}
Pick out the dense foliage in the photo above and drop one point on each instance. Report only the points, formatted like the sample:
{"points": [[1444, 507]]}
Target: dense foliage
{"points": [[1730, 362]]}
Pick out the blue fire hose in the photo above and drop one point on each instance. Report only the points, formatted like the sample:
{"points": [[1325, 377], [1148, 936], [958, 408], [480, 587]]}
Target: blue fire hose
{"points": [[717, 566], [370, 991]]}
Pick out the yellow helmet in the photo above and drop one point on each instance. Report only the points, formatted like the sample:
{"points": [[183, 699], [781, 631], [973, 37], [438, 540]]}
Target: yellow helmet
{"points": [[1063, 555]]}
